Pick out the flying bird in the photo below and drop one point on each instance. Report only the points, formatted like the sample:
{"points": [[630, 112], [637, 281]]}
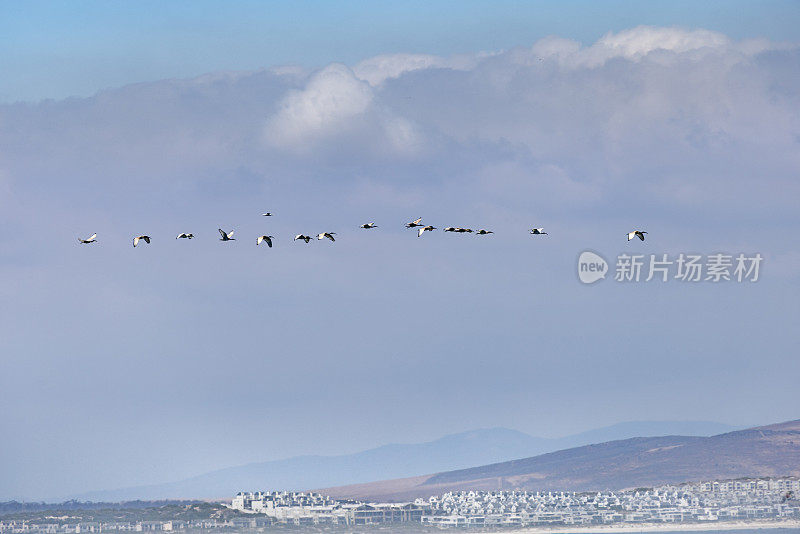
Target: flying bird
{"points": [[90, 239], [268, 214], [329, 235], [266, 238], [185, 236], [305, 238], [414, 224], [137, 239], [538, 231], [425, 229], [450, 229], [226, 236], [483, 232], [462, 230], [369, 225], [636, 233]]}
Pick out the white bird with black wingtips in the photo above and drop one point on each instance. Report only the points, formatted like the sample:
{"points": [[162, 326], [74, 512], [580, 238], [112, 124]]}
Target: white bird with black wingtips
{"points": [[636, 233], [483, 232], [538, 231], [329, 235], [424, 229], [303, 237], [414, 224], [184, 236], [369, 225], [91, 239], [266, 239], [226, 236], [145, 238]]}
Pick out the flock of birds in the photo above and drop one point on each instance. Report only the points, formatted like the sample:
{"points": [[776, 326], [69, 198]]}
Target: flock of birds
{"points": [[417, 223]]}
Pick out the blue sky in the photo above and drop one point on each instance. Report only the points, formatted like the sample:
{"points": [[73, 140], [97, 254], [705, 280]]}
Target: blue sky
{"points": [[123, 366], [59, 49]]}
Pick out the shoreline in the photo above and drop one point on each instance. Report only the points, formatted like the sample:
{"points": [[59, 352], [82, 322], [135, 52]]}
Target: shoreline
{"points": [[656, 527]]}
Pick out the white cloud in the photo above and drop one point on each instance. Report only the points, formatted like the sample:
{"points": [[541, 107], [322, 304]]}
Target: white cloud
{"points": [[640, 41], [637, 43], [327, 105], [378, 69], [334, 104]]}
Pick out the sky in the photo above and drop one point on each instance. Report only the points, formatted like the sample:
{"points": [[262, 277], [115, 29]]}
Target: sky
{"points": [[56, 49], [123, 366]]}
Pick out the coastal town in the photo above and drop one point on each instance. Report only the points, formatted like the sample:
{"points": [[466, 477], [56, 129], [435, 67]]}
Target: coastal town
{"points": [[704, 503], [747, 499]]}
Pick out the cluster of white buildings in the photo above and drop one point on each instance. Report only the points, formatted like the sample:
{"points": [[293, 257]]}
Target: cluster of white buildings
{"points": [[746, 499], [274, 501], [707, 501], [19, 526], [308, 508]]}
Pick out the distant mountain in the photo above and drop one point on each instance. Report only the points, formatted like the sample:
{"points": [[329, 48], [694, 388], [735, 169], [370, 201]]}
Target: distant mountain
{"points": [[772, 450], [450, 452]]}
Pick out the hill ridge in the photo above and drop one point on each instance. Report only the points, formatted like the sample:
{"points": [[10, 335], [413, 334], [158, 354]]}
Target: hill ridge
{"points": [[450, 452], [771, 450]]}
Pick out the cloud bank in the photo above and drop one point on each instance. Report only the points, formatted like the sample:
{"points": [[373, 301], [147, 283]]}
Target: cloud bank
{"points": [[687, 116]]}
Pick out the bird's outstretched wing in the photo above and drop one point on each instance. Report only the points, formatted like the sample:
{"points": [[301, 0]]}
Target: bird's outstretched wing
{"points": [[268, 239], [92, 238], [146, 239], [224, 235]]}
